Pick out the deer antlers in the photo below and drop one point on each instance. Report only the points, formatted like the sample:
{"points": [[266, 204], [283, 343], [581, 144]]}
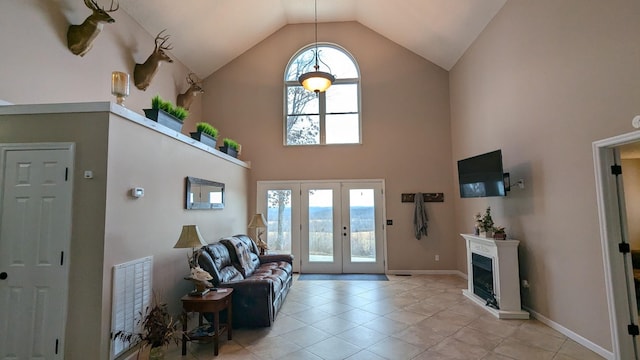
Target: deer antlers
{"points": [[93, 5], [190, 80], [164, 40]]}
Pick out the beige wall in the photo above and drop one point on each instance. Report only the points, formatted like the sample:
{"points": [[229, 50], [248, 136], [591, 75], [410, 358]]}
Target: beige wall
{"points": [[88, 132], [151, 225], [405, 130], [542, 82], [109, 227], [37, 67]]}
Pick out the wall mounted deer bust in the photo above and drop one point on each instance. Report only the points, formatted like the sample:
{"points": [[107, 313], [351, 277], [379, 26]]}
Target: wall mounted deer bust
{"points": [[143, 73], [195, 87], [80, 37]]}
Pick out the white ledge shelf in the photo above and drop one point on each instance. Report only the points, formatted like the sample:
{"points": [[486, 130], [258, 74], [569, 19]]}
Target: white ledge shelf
{"points": [[121, 111]]}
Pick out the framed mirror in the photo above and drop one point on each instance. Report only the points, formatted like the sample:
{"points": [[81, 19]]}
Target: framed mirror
{"points": [[204, 194]]}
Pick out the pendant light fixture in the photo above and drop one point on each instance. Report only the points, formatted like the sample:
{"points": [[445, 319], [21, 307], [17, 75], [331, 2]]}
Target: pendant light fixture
{"points": [[316, 81]]}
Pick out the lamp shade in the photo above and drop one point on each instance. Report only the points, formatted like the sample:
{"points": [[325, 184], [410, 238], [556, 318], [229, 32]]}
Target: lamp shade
{"points": [[257, 221], [190, 238], [316, 81]]}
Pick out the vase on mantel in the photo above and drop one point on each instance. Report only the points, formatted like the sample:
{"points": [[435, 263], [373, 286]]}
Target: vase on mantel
{"points": [[486, 234]]}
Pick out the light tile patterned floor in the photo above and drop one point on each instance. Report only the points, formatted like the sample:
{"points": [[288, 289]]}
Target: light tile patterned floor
{"points": [[409, 317]]}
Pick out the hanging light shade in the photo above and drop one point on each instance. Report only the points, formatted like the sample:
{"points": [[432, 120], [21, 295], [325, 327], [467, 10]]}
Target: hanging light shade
{"points": [[316, 81]]}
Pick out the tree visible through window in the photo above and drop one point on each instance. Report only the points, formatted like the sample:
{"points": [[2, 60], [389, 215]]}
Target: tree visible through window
{"points": [[331, 117]]}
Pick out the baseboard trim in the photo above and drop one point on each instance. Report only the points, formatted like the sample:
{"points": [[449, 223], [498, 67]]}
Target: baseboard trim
{"points": [[572, 335], [427, 272]]}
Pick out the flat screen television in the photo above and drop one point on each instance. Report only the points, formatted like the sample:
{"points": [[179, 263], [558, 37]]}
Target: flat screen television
{"points": [[482, 176]]}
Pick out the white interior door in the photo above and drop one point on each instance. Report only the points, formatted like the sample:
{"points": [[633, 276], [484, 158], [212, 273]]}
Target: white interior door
{"points": [[35, 225]]}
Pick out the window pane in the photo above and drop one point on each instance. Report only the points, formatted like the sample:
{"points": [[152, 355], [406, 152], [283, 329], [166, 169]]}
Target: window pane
{"points": [[342, 98], [301, 101], [303, 63], [332, 60], [342, 67], [279, 221], [321, 225], [363, 225], [303, 130], [342, 129]]}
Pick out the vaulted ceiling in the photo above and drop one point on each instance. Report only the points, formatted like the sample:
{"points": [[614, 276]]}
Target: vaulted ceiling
{"points": [[207, 34]]}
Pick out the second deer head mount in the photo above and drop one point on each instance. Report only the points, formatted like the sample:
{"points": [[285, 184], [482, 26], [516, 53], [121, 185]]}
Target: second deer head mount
{"points": [[195, 87], [80, 37], [143, 73]]}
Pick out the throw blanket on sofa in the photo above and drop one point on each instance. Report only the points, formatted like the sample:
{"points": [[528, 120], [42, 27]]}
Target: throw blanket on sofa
{"points": [[244, 256]]}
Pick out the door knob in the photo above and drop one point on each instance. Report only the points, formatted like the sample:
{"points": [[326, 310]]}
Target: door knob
{"points": [[3, 275]]}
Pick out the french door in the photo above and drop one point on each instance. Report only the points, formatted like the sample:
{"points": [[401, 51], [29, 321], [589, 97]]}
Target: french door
{"points": [[331, 226]]}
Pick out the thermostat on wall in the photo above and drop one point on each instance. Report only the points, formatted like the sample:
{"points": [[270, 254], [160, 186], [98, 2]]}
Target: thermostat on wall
{"points": [[137, 192]]}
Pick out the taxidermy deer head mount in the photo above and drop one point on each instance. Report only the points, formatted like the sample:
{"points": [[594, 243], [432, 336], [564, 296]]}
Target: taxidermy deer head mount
{"points": [[143, 73], [185, 99], [80, 37]]}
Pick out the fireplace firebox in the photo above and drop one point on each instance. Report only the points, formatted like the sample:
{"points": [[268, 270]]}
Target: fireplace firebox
{"points": [[482, 269], [494, 281]]}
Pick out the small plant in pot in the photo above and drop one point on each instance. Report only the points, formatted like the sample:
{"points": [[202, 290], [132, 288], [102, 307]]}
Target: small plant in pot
{"points": [[231, 147], [158, 330], [165, 113], [206, 134], [485, 224], [499, 233]]}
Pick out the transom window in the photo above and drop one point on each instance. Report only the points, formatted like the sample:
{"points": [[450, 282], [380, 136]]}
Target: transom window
{"points": [[331, 117]]}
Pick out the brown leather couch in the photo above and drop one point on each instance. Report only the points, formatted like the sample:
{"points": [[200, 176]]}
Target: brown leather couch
{"points": [[260, 282]]}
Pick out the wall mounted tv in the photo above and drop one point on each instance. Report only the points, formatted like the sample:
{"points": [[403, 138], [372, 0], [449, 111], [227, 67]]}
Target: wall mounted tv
{"points": [[482, 176]]}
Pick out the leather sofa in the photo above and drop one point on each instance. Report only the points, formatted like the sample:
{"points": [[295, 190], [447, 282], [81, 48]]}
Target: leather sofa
{"points": [[260, 282]]}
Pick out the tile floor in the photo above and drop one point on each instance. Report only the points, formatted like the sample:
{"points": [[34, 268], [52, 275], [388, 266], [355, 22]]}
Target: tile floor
{"points": [[408, 317]]}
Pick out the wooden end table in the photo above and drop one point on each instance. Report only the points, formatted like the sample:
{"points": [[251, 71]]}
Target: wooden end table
{"points": [[212, 302]]}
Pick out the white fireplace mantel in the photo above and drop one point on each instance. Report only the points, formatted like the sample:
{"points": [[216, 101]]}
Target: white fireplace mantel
{"points": [[506, 275]]}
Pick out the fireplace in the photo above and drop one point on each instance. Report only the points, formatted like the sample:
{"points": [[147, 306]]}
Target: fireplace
{"points": [[482, 272], [493, 276]]}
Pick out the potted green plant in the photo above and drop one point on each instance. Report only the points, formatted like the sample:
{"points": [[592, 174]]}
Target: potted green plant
{"points": [[206, 134], [158, 330], [231, 147], [485, 223], [165, 113]]}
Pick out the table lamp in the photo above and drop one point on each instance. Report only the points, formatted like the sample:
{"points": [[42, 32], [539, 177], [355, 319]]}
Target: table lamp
{"points": [[190, 238], [257, 222]]}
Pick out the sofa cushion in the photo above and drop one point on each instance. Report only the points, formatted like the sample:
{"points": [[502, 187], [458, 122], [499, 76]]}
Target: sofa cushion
{"points": [[273, 271], [215, 259]]}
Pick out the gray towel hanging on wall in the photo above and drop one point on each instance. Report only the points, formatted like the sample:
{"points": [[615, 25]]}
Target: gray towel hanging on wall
{"points": [[420, 217]]}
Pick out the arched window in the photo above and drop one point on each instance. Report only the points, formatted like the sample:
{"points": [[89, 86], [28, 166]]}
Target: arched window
{"points": [[331, 117]]}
